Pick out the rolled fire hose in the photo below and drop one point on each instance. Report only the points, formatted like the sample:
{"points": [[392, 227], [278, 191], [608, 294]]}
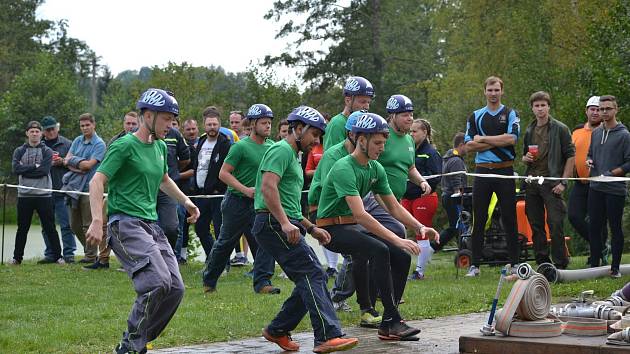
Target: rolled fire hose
{"points": [[530, 301], [555, 275]]}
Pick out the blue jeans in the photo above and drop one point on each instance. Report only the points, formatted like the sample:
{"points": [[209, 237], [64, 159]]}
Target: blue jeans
{"points": [[182, 231], [63, 219], [210, 211], [238, 218], [310, 294], [167, 217]]}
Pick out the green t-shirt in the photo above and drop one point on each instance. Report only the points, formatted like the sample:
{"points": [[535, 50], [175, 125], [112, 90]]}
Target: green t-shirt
{"points": [[397, 158], [134, 170], [245, 156], [282, 160], [348, 178], [335, 131], [325, 164]]}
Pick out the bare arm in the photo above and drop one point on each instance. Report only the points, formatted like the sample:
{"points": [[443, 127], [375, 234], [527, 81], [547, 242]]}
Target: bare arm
{"points": [[225, 175], [94, 234], [474, 146], [271, 196], [87, 165], [416, 178], [367, 221], [497, 140], [186, 174], [181, 164]]}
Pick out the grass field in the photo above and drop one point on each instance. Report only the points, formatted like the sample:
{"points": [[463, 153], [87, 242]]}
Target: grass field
{"points": [[64, 309]]}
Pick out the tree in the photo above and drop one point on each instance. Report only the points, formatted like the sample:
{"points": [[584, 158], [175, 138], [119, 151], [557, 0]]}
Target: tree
{"points": [[47, 88]]}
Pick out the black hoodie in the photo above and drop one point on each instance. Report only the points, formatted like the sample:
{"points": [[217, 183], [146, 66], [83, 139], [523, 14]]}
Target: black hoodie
{"points": [[610, 149]]}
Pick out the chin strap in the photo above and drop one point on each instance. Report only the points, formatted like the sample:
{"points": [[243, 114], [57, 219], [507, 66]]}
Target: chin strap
{"points": [[298, 140], [152, 135]]}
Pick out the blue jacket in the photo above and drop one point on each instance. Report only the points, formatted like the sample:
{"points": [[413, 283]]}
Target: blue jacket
{"points": [[428, 162]]}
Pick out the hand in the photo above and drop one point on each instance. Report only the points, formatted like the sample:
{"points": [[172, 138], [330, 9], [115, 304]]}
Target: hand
{"points": [[479, 138], [57, 162], [428, 232], [408, 246], [589, 163], [94, 234], [192, 210], [426, 188], [250, 192], [292, 232], [558, 189], [528, 158], [321, 235]]}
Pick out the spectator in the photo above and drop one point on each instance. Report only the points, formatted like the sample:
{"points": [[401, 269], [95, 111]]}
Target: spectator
{"points": [[236, 123], [32, 162], [130, 123], [211, 152], [492, 132], [175, 124], [453, 161], [578, 198], [423, 207], [60, 146], [358, 94], [608, 155], [548, 151], [283, 129], [85, 155], [191, 134]]}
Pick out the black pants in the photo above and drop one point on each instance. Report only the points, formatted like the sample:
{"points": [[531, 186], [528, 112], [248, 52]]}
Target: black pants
{"points": [[389, 264], [505, 190], [538, 199], [45, 210], [452, 208], [600, 206], [578, 212]]}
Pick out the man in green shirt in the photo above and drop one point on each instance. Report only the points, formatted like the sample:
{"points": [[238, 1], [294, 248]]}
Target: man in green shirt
{"points": [[353, 231], [279, 228], [358, 93], [239, 173], [135, 168]]}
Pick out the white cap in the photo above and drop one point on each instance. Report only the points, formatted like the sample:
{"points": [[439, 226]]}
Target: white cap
{"points": [[593, 101]]}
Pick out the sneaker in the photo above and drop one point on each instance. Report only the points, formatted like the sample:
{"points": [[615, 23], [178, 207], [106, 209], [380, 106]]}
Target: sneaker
{"points": [[370, 318], [238, 261], [284, 341], [473, 272], [336, 345], [122, 348], [269, 289], [342, 306], [209, 289], [14, 261], [69, 259], [331, 272], [96, 266], [60, 261], [396, 331], [416, 276], [614, 273]]}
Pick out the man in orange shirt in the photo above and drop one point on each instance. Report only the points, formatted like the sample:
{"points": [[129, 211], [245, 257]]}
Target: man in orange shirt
{"points": [[579, 194]]}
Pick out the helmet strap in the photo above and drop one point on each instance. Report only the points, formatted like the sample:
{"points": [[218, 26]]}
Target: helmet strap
{"points": [[151, 128]]}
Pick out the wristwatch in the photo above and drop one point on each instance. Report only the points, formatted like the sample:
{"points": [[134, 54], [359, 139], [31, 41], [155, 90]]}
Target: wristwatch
{"points": [[564, 182]]}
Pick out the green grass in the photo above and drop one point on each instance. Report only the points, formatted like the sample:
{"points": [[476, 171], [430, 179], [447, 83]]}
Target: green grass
{"points": [[63, 309]]}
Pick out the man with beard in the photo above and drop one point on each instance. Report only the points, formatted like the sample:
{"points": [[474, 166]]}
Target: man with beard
{"points": [[239, 173], [212, 149]]}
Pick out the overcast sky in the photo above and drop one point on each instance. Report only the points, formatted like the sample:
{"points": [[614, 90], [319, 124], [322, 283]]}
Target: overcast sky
{"points": [[131, 34]]}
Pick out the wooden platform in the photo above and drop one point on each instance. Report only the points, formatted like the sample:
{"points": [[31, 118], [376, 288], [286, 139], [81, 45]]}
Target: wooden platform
{"points": [[564, 344]]}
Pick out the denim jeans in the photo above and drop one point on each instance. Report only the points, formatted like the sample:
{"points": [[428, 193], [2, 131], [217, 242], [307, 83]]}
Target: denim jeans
{"points": [[238, 218], [167, 217], [301, 265], [182, 232], [63, 219], [210, 212]]}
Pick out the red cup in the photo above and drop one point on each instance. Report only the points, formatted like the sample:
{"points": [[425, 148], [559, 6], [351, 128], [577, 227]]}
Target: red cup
{"points": [[55, 155], [533, 149]]}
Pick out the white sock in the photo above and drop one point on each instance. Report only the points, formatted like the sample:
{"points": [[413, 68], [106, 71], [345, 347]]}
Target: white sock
{"points": [[183, 254], [332, 258], [426, 251]]}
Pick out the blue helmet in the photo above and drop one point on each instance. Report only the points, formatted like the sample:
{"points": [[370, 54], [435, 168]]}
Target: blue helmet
{"points": [[351, 121], [399, 104], [259, 110], [370, 123], [358, 86], [159, 101], [309, 116]]}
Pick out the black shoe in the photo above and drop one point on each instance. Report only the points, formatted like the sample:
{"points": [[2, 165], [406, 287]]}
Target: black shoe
{"points": [[397, 330], [47, 260], [69, 259], [97, 265], [85, 260], [122, 348]]}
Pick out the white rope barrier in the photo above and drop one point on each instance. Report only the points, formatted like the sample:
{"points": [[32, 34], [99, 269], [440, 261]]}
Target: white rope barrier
{"points": [[528, 179]]}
